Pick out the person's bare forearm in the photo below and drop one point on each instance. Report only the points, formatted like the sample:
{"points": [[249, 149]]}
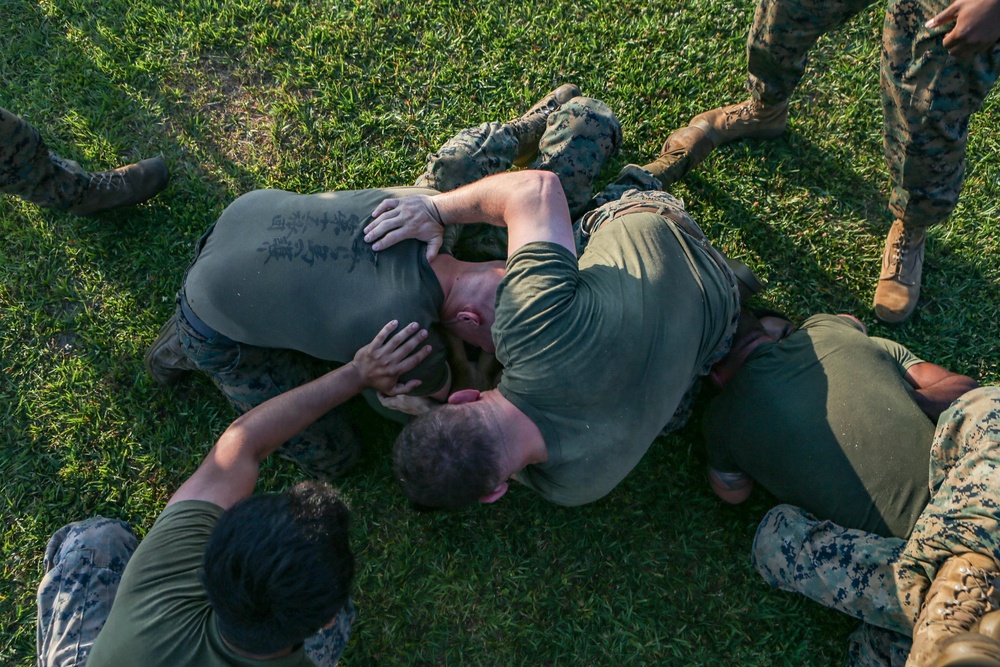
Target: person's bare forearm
{"points": [[935, 398], [494, 200]]}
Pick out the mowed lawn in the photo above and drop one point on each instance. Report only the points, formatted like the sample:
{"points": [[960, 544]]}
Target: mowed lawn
{"points": [[322, 95]]}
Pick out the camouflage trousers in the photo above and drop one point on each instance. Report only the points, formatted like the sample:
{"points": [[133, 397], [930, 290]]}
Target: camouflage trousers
{"points": [[882, 581], [248, 375], [84, 562], [579, 139], [31, 171], [927, 95]]}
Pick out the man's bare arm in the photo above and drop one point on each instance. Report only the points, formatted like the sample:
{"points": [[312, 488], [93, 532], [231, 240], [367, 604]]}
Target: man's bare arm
{"points": [[733, 487], [229, 472], [936, 387], [530, 204]]}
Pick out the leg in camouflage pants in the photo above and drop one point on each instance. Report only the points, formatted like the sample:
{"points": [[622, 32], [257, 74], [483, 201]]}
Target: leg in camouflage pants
{"points": [[31, 171], [84, 562], [927, 95], [579, 138], [882, 581]]}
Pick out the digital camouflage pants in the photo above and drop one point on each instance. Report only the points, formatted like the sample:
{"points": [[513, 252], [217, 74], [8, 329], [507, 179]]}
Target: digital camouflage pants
{"points": [[31, 171], [927, 95], [84, 562], [579, 139], [881, 580]]}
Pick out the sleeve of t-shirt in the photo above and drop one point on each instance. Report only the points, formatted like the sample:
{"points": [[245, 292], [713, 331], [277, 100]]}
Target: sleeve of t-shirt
{"points": [[541, 282], [903, 358], [716, 446]]}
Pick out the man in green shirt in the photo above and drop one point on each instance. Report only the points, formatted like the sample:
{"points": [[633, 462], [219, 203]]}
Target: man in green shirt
{"points": [[223, 577], [598, 352], [842, 425]]}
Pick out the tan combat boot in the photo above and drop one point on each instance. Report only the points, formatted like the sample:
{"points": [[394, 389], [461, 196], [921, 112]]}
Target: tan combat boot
{"points": [[969, 649], [124, 186], [683, 150], [530, 127], [964, 589], [747, 120], [902, 266]]}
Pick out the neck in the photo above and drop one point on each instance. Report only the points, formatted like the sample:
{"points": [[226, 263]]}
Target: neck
{"points": [[256, 656], [466, 285], [523, 442]]}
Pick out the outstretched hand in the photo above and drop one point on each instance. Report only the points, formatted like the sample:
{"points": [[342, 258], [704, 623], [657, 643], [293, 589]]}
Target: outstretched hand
{"points": [[381, 362], [976, 29], [414, 217]]}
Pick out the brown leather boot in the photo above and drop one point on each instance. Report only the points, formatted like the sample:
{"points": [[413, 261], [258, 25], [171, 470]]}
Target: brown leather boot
{"points": [[902, 266], [683, 150], [124, 186], [530, 127], [749, 119], [969, 649], [964, 589]]}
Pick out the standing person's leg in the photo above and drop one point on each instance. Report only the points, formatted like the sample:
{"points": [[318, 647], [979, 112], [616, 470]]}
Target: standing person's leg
{"points": [[84, 562], [28, 169], [927, 98], [780, 37]]}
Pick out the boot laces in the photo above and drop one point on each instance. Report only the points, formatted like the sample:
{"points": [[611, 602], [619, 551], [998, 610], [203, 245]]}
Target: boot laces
{"points": [[107, 180], [974, 597], [746, 111]]}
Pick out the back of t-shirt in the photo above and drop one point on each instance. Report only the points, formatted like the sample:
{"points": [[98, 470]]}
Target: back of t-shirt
{"points": [[825, 420]]}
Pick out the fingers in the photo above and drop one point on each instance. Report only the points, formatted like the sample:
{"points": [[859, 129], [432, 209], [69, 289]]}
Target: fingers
{"points": [[946, 16], [385, 205], [381, 226], [434, 247], [384, 333]]}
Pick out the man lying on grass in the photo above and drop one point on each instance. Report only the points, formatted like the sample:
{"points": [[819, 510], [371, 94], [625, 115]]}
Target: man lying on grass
{"points": [[890, 521], [223, 577]]}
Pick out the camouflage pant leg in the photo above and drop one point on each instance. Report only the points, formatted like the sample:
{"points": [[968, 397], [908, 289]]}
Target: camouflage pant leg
{"points": [[579, 139], [631, 177], [326, 646], [927, 99], [780, 37], [845, 569], [84, 562], [871, 646], [29, 170], [249, 375], [963, 514]]}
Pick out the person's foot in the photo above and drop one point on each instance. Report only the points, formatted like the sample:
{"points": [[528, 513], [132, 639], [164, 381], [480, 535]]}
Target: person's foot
{"points": [[530, 127], [749, 119], [964, 589], [902, 266], [969, 649], [165, 360], [683, 150], [124, 186]]}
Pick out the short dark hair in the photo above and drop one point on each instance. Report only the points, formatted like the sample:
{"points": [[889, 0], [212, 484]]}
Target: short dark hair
{"points": [[447, 458], [278, 567]]}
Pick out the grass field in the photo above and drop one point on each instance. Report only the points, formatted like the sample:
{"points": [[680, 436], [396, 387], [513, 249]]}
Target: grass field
{"points": [[323, 95]]}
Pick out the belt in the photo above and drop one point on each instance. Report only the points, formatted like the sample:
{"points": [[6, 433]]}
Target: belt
{"points": [[193, 320]]}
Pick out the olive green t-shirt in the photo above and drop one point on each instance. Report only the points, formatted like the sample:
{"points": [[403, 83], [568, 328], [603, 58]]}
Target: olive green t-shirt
{"points": [[161, 616], [290, 271], [824, 419], [598, 353]]}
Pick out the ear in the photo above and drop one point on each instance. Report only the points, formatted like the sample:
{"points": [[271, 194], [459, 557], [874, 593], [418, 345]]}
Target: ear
{"points": [[718, 376], [463, 396], [495, 494], [469, 317]]}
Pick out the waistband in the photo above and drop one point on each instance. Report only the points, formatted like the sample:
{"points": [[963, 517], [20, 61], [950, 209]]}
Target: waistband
{"points": [[193, 320]]}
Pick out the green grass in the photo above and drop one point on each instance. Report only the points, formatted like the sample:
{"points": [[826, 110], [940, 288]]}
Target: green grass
{"points": [[321, 95]]}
